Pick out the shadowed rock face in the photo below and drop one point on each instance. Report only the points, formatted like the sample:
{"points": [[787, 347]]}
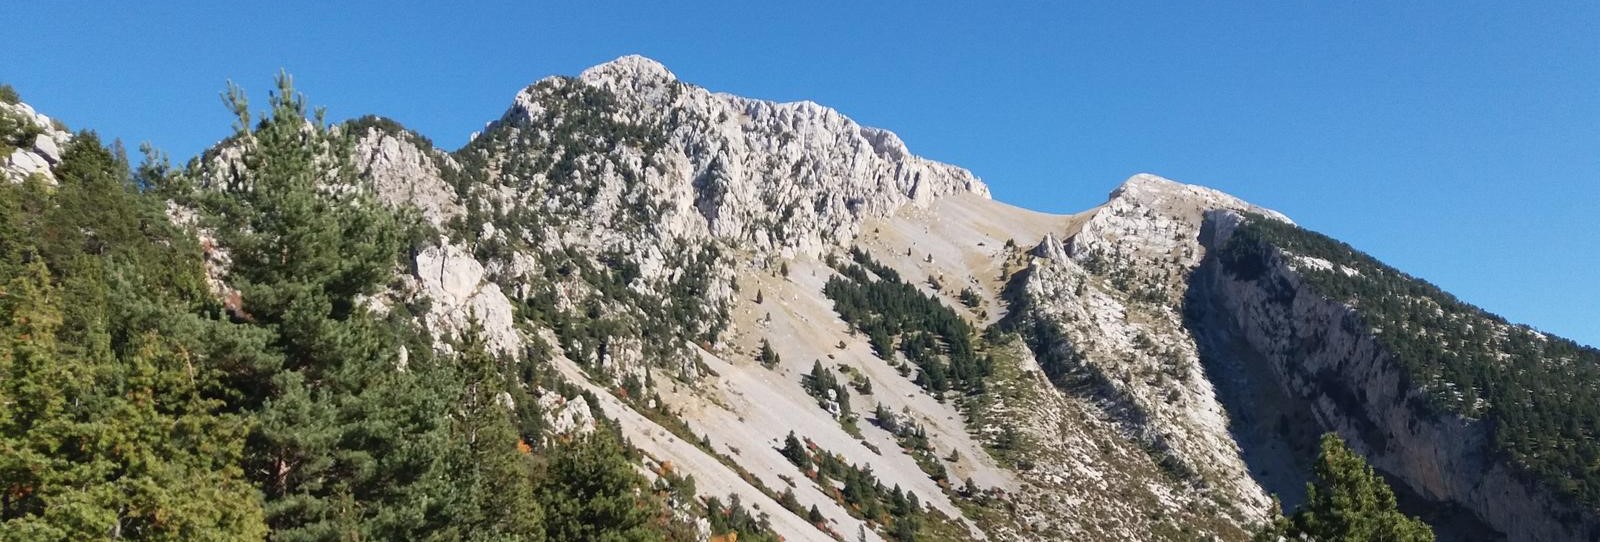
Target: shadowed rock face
{"points": [[1265, 327], [1277, 431]]}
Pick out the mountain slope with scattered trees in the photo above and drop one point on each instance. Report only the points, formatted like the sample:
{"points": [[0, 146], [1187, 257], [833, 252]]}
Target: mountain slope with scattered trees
{"points": [[336, 331], [137, 403]]}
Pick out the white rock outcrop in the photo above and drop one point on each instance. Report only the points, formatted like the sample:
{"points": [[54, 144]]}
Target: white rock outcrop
{"points": [[1149, 219], [461, 296], [566, 417], [1113, 296], [403, 173], [42, 153], [788, 177]]}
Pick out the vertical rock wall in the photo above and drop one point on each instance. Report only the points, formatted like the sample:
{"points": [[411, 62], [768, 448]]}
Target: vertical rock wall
{"points": [[1322, 353]]}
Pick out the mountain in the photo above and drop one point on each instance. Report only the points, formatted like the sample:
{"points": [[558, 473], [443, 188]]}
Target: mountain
{"points": [[796, 327]]}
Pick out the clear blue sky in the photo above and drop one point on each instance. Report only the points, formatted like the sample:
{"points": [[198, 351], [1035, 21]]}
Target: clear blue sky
{"points": [[1459, 141]]}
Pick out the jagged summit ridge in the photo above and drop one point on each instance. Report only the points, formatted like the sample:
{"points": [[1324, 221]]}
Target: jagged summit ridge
{"points": [[638, 74], [790, 177], [1151, 218]]}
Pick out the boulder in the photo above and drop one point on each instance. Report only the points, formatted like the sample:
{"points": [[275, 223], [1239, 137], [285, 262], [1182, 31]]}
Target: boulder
{"points": [[45, 147]]}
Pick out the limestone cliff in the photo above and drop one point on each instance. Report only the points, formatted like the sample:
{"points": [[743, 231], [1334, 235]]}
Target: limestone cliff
{"points": [[1102, 312], [777, 176], [1323, 353]]}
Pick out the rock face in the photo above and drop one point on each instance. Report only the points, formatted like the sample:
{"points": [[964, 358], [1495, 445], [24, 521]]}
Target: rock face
{"points": [[1104, 317], [1153, 223], [626, 170], [1321, 353], [566, 417], [44, 139], [404, 173], [789, 177], [461, 296]]}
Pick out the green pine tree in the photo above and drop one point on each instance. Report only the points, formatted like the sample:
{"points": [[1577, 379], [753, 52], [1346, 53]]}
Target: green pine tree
{"points": [[767, 356], [1347, 501], [796, 452], [494, 472], [111, 426], [591, 491], [346, 445]]}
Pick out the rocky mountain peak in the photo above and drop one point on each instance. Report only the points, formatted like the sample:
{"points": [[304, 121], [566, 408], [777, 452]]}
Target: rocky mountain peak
{"points": [[1154, 220], [719, 274], [1148, 190], [630, 67], [793, 177], [1142, 184]]}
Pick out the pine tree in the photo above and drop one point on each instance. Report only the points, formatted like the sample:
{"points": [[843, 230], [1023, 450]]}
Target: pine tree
{"points": [[345, 445], [34, 423], [767, 356], [788, 500], [970, 297], [110, 423], [494, 477], [796, 452], [886, 418], [591, 491], [1348, 501], [905, 529]]}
